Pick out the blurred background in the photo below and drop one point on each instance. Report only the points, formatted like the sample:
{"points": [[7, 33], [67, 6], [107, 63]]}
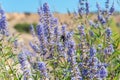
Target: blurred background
{"points": [[21, 13]]}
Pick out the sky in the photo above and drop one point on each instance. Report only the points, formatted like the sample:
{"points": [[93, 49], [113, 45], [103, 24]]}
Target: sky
{"points": [[55, 5]]}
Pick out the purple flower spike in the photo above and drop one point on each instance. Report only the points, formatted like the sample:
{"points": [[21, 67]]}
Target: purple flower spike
{"points": [[81, 30], [87, 7], [3, 23], [101, 19], [103, 72], [35, 47], [107, 4], [106, 51], [40, 11], [91, 33], [56, 30], [60, 49], [40, 33], [112, 9], [110, 49], [46, 8], [69, 34], [63, 29], [108, 32], [42, 68], [92, 52], [22, 57], [25, 66]]}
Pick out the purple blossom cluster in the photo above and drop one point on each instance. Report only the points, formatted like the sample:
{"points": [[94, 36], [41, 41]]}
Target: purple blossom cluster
{"points": [[3, 23], [75, 72], [42, 68], [56, 52], [25, 65]]}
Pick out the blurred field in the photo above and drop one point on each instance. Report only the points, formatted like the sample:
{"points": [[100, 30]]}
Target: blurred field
{"points": [[19, 18]]}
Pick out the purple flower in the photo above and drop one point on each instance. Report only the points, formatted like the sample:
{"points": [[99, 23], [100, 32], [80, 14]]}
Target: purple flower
{"points": [[25, 66], [81, 7], [43, 39], [103, 72], [46, 30], [22, 57], [81, 30], [35, 47], [60, 48], [69, 35], [95, 61], [87, 7], [47, 21], [63, 29], [107, 4], [44, 50], [101, 19], [40, 32], [111, 48], [91, 33], [56, 31], [106, 51], [84, 72], [42, 68], [3, 23], [56, 35], [40, 11], [54, 21], [46, 8], [112, 9], [108, 32], [41, 36], [70, 52], [92, 51], [2, 11], [28, 55], [72, 60], [53, 24], [81, 11]]}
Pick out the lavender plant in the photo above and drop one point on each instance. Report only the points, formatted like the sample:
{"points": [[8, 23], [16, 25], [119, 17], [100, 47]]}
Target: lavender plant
{"points": [[8, 55], [89, 53], [56, 55]]}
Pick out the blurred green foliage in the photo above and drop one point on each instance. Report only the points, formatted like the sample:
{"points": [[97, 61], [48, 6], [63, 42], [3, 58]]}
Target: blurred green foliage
{"points": [[24, 27]]}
